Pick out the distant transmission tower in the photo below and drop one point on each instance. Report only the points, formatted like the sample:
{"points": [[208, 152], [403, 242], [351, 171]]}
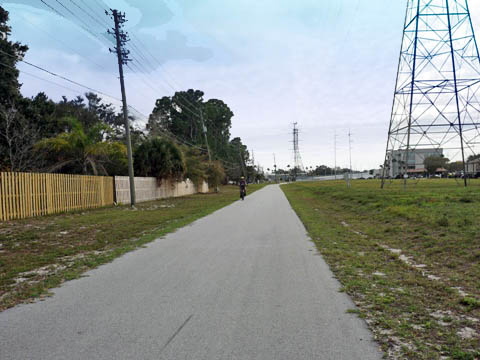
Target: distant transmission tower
{"points": [[297, 159], [436, 107]]}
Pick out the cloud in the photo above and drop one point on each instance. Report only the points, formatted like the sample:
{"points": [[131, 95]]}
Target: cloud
{"points": [[328, 65]]}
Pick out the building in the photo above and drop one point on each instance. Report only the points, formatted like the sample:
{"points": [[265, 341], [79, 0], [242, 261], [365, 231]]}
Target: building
{"points": [[397, 164], [473, 166]]}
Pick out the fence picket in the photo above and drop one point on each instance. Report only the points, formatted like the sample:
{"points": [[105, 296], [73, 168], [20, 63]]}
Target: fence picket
{"points": [[25, 195]]}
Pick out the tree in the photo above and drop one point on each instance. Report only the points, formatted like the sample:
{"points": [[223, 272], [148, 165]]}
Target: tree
{"points": [[196, 165], [218, 121], [160, 158], [84, 151], [11, 53], [17, 138], [455, 166], [180, 115], [14, 129], [215, 174], [433, 163], [473, 157]]}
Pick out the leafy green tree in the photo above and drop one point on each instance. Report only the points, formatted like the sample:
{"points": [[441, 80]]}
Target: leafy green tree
{"points": [[215, 174], [218, 121], [196, 165], [15, 130], [84, 151], [179, 115], [11, 53], [160, 158], [455, 166], [433, 163]]}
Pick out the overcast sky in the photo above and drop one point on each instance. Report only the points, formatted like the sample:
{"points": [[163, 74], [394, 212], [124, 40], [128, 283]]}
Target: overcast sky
{"points": [[329, 65]]}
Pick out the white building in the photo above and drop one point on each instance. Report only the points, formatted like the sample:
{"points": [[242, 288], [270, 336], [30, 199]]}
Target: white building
{"points": [[397, 164], [473, 166]]}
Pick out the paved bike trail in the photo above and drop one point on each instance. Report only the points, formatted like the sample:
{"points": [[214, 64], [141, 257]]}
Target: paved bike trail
{"points": [[242, 283]]}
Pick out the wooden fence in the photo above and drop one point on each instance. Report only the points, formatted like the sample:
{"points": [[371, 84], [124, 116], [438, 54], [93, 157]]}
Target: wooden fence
{"points": [[25, 195]]}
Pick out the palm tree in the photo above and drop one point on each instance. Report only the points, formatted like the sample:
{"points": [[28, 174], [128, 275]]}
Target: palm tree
{"points": [[84, 150]]}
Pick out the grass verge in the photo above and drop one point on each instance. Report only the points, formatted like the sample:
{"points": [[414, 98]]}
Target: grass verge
{"points": [[40, 253], [410, 260]]}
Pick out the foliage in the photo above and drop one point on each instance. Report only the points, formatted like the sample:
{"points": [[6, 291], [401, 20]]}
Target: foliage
{"points": [[14, 131], [196, 165], [35, 135], [473, 157], [455, 166], [80, 150], [180, 115], [11, 53], [433, 163], [160, 158], [215, 174]]}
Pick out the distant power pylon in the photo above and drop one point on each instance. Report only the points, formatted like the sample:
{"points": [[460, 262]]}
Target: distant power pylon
{"points": [[297, 159], [436, 107]]}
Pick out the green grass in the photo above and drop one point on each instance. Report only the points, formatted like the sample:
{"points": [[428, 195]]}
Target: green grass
{"points": [[435, 224], [40, 253]]}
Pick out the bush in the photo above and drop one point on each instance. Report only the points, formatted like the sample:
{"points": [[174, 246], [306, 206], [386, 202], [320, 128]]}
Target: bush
{"points": [[215, 174], [196, 164], [160, 158]]}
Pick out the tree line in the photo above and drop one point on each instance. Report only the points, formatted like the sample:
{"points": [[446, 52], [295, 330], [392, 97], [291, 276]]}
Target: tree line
{"points": [[86, 135]]}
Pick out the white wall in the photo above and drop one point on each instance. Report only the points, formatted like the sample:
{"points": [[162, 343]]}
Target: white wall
{"points": [[148, 189]]}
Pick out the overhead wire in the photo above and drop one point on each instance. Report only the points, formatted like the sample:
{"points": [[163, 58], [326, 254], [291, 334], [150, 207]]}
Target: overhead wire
{"points": [[24, 19], [184, 103]]}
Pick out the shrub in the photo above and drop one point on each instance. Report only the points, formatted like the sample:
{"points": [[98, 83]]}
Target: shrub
{"points": [[215, 174], [160, 158], [196, 165]]}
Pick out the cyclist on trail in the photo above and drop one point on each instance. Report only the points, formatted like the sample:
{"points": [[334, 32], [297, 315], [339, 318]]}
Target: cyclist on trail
{"points": [[243, 187]]}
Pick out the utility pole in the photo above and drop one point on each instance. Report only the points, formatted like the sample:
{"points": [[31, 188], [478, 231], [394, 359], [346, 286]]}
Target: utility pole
{"points": [[350, 154], [241, 161], [121, 38], [350, 149], [335, 153], [253, 167], [275, 167], [205, 134]]}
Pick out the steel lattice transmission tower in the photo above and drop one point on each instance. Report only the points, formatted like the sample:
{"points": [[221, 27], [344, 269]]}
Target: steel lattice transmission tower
{"points": [[297, 159], [436, 107]]}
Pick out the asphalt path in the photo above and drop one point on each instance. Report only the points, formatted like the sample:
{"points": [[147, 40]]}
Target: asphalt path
{"points": [[243, 283]]}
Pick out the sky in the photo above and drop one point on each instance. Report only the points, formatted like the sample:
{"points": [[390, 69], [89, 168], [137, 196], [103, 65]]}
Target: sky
{"points": [[329, 65]]}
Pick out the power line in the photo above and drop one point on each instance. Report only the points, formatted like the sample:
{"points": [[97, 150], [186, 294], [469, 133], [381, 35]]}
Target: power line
{"points": [[86, 12], [40, 78], [62, 42], [138, 66], [74, 16], [185, 100], [59, 76], [92, 90]]}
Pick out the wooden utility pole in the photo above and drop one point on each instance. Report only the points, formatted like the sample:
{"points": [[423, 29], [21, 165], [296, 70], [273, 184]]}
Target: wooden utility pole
{"points": [[122, 57], [240, 155], [204, 128], [275, 167]]}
